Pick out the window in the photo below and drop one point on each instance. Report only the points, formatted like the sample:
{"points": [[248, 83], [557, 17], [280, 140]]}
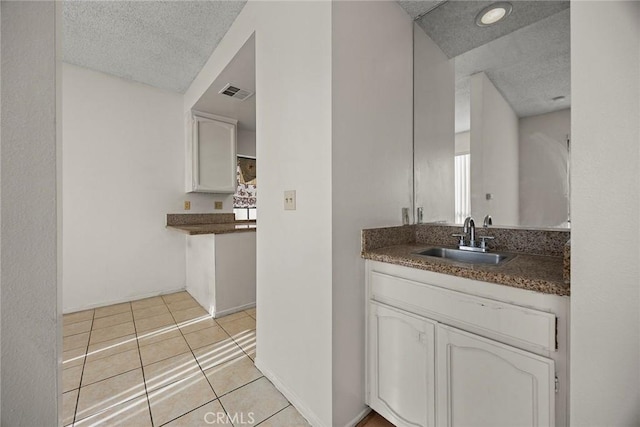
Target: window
{"points": [[462, 187], [244, 200]]}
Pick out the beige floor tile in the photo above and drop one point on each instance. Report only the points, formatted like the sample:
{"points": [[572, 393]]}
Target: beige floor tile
{"points": [[69, 400], [175, 297], [110, 310], [75, 341], [98, 370], [240, 326], [78, 316], [232, 375], [259, 397], [251, 312], [108, 393], [150, 311], [197, 324], [154, 322], [178, 398], [183, 305], [71, 378], [163, 350], [116, 319], [146, 303], [111, 347], [218, 353], [157, 335], [112, 332], [76, 328], [288, 417], [134, 413], [205, 337], [211, 414], [231, 317], [190, 314], [170, 370], [73, 358], [247, 342]]}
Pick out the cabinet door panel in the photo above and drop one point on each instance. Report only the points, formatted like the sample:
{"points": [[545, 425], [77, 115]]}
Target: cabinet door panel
{"points": [[402, 367], [216, 142], [485, 383]]}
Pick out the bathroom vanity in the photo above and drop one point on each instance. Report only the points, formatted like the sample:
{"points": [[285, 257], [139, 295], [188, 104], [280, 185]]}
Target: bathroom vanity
{"points": [[457, 344]]}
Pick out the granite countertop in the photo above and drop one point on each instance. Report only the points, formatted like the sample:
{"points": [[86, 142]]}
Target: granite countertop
{"points": [[216, 228], [540, 273]]}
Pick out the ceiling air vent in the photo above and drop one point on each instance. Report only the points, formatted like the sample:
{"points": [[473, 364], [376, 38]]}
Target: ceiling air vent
{"points": [[235, 92]]}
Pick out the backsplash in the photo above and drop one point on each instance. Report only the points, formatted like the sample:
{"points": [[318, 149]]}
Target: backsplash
{"points": [[194, 219], [535, 242]]}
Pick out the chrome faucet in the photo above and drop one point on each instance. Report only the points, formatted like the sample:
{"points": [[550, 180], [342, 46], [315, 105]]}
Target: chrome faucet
{"points": [[469, 228]]}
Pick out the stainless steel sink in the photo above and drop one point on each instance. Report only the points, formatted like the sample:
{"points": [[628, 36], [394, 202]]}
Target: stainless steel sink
{"points": [[466, 256]]}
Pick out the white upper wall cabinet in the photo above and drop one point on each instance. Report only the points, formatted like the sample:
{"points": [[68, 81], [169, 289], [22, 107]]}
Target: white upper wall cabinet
{"points": [[211, 154]]}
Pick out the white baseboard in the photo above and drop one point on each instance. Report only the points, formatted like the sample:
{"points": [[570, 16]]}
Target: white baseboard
{"points": [[120, 300], [221, 313], [304, 410], [354, 422]]}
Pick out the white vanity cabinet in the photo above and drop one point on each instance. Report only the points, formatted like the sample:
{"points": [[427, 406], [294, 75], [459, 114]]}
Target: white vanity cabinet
{"points": [[211, 154], [402, 355], [485, 383], [448, 351]]}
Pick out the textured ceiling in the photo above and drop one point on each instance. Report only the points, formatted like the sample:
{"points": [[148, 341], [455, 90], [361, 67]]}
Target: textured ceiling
{"points": [[529, 67], [526, 56], [160, 43], [452, 24], [241, 72]]}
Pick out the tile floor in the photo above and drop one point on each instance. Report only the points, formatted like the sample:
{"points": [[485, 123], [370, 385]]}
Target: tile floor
{"points": [[165, 361]]}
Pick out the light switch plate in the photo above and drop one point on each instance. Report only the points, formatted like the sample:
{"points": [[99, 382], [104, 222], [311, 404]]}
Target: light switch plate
{"points": [[290, 200], [217, 205], [187, 205]]}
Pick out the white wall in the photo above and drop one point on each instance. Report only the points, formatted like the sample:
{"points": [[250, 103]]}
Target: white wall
{"points": [[434, 127], [544, 184], [605, 207], [293, 130], [371, 167], [462, 143], [123, 151], [31, 321], [246, 143], [494, 154]]}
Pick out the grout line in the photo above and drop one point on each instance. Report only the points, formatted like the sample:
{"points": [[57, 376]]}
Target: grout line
{"points": [[84, 363], [144, 380], [112, 376], [271, 416], [180, 416], [202, 370]]}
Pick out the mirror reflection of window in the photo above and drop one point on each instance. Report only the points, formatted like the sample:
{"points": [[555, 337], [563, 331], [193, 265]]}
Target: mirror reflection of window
{"points": [[244, 200], [462, 186]]}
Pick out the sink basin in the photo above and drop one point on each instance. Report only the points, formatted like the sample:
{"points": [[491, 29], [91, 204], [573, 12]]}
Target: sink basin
{"points": [[465, 256]]}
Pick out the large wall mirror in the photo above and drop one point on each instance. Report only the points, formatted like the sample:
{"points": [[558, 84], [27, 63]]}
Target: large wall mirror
{"points": [[492, 111]]}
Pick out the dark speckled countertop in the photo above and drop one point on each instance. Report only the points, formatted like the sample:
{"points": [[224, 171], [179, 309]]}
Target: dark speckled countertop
{"points": [[538, 263], [209, 223], [232, 227]]}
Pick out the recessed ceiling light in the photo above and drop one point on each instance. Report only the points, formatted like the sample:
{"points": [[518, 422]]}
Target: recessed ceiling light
{"points": [[493, 13]]}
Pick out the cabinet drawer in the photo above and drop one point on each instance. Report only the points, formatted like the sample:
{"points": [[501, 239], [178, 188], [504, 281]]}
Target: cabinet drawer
{"points": [[511, 323]]}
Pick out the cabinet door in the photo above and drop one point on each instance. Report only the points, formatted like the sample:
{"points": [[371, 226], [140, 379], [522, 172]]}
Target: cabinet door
{"points": [[485, 383], [401, 366], [214, 156]]}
